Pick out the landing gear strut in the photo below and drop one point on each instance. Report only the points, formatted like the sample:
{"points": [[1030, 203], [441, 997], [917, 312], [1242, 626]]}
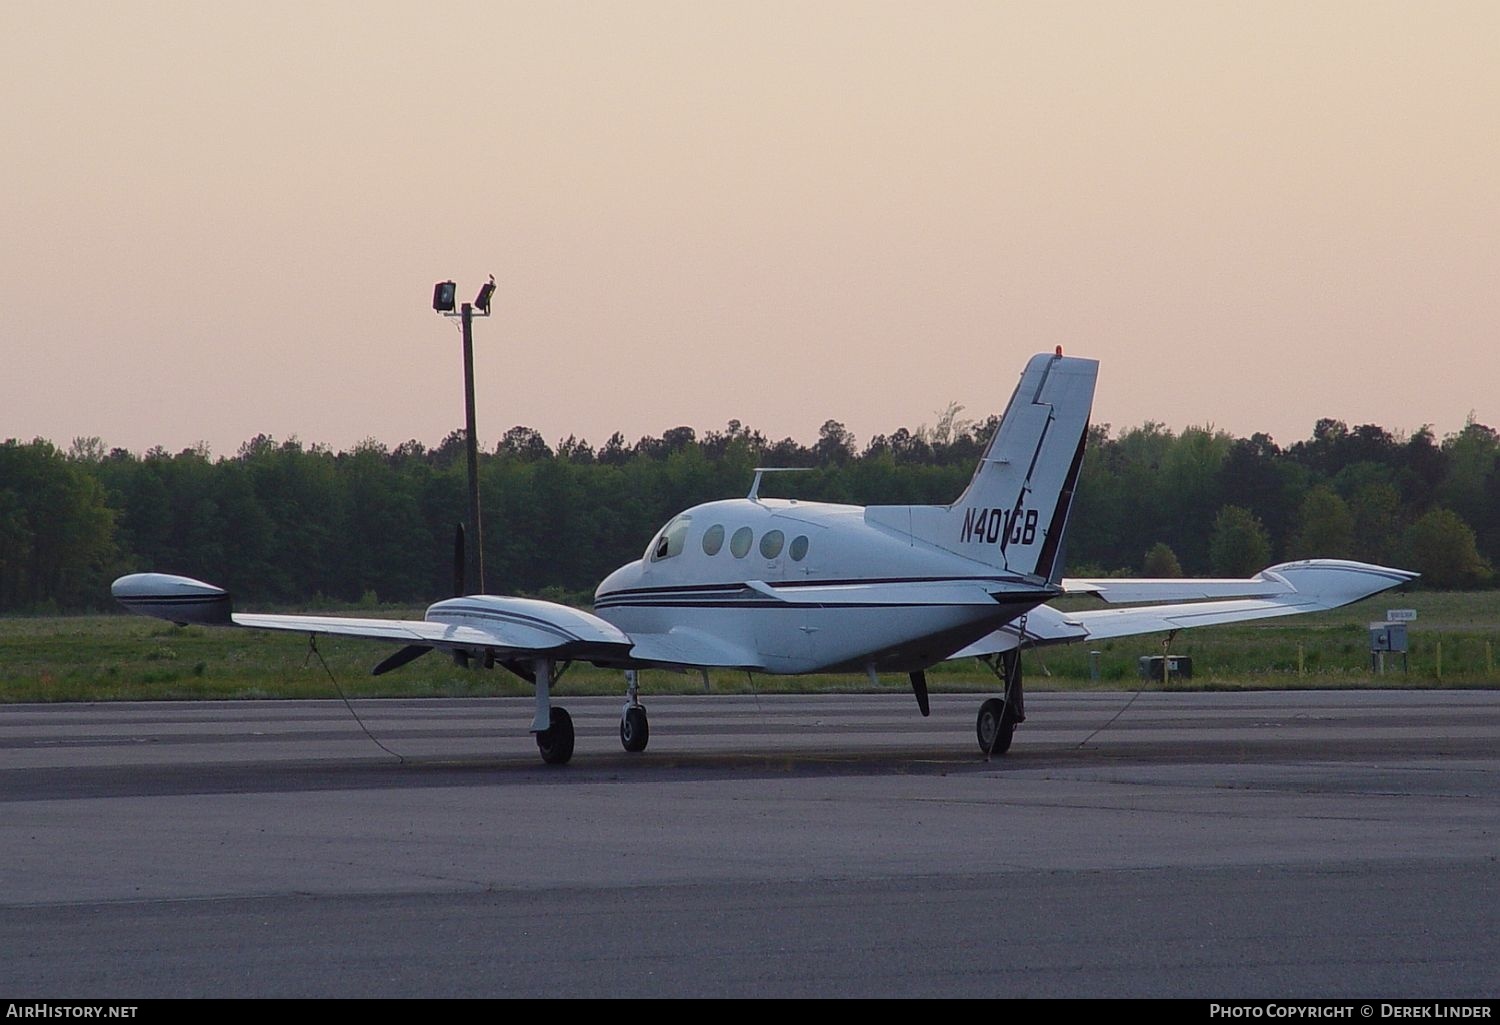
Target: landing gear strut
{"points": [[553, 726], [635, 729], [998, 716]]}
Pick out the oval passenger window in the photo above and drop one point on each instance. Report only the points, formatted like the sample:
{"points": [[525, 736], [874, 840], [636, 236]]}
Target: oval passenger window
{"points": [[713, 539], [770, 545], [739, 545]]}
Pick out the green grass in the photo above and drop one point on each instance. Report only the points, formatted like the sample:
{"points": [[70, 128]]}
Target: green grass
{"points": [[128, 658]]}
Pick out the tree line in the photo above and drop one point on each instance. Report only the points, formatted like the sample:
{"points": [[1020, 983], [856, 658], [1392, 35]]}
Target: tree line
{"points": [[288, 523]]}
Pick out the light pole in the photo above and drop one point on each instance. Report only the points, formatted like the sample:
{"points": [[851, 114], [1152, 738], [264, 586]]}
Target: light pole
{"points": [[443, 294]]}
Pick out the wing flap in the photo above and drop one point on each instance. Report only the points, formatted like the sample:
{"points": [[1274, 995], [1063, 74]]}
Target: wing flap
{"points": [[898, 593], [687, 648], [1043, 625], [1121, 590], [399, 631]]}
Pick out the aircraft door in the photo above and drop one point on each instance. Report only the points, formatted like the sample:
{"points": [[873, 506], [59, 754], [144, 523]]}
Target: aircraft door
{"points": [[803, 549], [789, 637]]}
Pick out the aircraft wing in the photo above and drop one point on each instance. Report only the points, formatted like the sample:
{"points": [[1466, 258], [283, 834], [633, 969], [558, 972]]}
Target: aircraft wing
{"points": [[508, 628], [1314, 585], [505, 627]]}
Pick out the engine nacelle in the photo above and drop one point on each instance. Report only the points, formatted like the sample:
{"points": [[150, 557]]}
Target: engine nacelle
{"points": [[182, 600]]}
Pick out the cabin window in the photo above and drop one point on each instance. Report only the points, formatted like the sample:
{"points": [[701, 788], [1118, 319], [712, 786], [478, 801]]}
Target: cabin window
{"points": [[713, 539], [739, 545], [672, 537], [770, 545], [798, 549]]}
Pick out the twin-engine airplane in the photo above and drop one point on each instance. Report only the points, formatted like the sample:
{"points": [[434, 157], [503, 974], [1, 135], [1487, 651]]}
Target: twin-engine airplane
{"points": [[780, 586]]}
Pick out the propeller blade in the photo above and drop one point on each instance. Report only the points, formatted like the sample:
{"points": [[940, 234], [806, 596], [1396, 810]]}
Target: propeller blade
{"points": [[521, 668], [400, 658], [919, 688]]}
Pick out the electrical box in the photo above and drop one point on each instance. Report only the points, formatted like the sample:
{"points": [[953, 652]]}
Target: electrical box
{"points": [[1388, 637], [1179, 667]]}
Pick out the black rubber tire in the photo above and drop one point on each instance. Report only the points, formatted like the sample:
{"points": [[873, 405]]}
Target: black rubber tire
{"points": [[556, 741], [635, 729], [993, 718]]}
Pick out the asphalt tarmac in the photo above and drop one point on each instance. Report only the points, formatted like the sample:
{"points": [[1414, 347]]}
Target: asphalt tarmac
{"points": [[1278, 845]]}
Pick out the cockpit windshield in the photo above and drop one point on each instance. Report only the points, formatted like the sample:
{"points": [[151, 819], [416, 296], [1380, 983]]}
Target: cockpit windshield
{"points": [[671, 539]]}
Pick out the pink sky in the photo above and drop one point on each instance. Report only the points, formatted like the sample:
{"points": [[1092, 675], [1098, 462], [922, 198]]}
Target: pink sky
{"points": [[225, 219]]}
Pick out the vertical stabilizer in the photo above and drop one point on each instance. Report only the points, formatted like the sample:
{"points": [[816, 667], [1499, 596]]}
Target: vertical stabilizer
{"points": [[1014, 513]]}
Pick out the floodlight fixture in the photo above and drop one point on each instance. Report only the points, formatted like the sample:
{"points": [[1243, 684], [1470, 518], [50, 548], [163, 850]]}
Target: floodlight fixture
{"points": [[486, 293], [444, 294]]}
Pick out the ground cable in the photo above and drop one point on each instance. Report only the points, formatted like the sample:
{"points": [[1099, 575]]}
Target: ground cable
{"points": [[312, 649]]}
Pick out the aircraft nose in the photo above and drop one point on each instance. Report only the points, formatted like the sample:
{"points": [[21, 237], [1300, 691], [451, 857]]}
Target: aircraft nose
{"points": [[627, 575]]}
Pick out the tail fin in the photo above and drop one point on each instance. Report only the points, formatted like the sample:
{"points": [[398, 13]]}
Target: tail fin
{"points": [[1014, 513]]}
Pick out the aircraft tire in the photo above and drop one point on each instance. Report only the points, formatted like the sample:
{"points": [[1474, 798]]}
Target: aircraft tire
{"points": [[993, 718], [635, 729], [556, 741]]}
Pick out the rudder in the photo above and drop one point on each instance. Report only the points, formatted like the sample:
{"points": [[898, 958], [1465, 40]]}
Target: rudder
{"points": [[1014, 513]]}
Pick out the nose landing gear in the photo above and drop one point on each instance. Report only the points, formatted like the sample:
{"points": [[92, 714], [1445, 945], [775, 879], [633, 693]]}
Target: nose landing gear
{"points": [[635, 728]]}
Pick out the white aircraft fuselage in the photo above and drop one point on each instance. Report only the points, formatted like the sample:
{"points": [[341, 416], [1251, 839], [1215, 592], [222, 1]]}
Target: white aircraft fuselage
{"points": [[802, 587]]}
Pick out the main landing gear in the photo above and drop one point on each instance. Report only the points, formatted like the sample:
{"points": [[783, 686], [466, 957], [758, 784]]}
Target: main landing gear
{"points": [[635, 728], [553, 727], [556, 741], [998, 717], [995, 729]]}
